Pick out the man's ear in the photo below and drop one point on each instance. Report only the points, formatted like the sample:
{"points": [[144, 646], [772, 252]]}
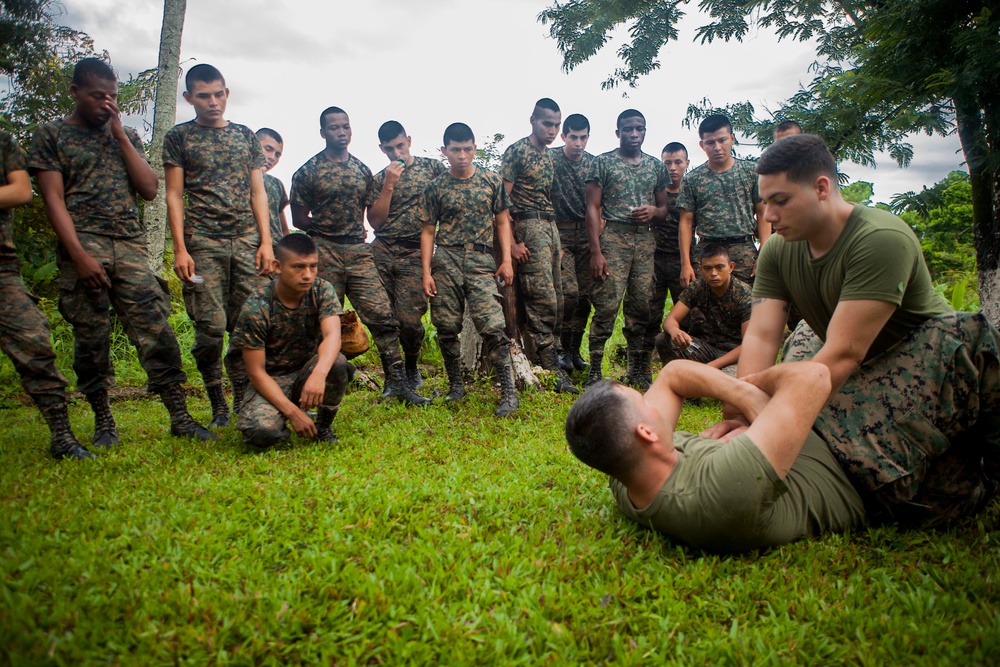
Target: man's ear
{"points": [[647, 435], [823, 187]]}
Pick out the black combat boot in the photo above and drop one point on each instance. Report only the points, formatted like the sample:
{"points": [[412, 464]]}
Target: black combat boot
{"points": [[220, 409], [388, 388], [105, 429], [413, 376], [549, 362], [635, 373], [456, 383], [576, 339], [396, 384], [64, 444], [239, 391], [324, 420], [596, 361], [562, 354], [181, 421], [508, 395]]}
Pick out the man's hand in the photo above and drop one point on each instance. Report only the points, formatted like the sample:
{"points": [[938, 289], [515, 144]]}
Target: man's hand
{"points": [[430, 288], [312, 391], [599, 266], [520, 252], [265, 255], [680, 339], [687, 276], [91, 272], [505, 274], [643, 213], [392, 174], [117, 129], [726, 429], [183, 265], [301, 424]]}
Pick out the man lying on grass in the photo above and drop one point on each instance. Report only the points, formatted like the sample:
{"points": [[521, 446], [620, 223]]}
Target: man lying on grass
{"points": [[768, 484]]}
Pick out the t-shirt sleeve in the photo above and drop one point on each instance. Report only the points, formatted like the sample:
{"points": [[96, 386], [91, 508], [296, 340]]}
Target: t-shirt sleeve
{"points": [[140, 148], [596, 172], [13, 156], [767, 283], [370, 195], [250, 332], [327, 301], [686, 200], [869, 276], [173, 148], [257, 160], [377, 182], [429, 204], [301, 194], [690, 296], [44, 153], [501, 200], [662, 177], [508, 164]]}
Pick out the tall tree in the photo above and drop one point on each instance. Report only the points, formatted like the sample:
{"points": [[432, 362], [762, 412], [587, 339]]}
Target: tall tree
{"points": [[885, 69], [164, 115]]}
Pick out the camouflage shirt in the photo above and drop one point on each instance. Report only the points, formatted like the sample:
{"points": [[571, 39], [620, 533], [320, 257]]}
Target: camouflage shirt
{"points": [[665, 231], [217, 164], [406, 208], [98, 191], [531, 171], [11, 159], [722, 202], [724, 315], [290, 337], [464, 209], [277, 200], [336, 193], [625, 186], [569, 185]]}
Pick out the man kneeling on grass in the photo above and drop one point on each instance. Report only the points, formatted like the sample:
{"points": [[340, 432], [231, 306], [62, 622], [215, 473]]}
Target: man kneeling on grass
{"points": [[289, 332], [772, 483]]}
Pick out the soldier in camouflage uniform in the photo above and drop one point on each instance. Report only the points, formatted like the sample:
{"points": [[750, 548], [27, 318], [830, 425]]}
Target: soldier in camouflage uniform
{"points": [[329, 195], [289, 334], [914, 412], [725, 304], [222, 241], [24, 331], [89, 169], [396, 216], [720, 197], [527, 170], [571, 163], [463, 206], [627, 189], [273, 146]]}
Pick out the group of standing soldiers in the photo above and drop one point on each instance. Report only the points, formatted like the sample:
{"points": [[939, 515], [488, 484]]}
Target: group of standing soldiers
{"points": [[585, 232]]}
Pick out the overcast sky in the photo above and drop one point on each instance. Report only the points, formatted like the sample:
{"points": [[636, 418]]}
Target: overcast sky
{"points": [[428, 63]]}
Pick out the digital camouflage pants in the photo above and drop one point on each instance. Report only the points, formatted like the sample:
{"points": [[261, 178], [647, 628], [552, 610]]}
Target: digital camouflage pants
{"points": [[228, 266], [666, 278], [401, 273], [630, 264], [917, 428], [540, 278], [142, 303], [575, 279]]}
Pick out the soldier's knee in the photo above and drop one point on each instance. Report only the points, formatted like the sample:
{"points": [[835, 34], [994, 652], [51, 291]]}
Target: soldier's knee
{"points": [[262, 438]]}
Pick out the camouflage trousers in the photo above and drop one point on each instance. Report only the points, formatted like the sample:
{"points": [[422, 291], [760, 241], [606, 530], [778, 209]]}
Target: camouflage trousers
{"points": [[699, 350], [350, 268], [540, 278], [666, 278], [401, 273], [576, 280], [260, 422], [630, 265], [917, 428], [464, 279], [25, 339], [142, 304], [743, 253], [228, 265]]}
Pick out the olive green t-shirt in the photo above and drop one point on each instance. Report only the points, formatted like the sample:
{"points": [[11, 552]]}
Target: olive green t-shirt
{"points": [[727, 497], [11, 159], [876, 257]]}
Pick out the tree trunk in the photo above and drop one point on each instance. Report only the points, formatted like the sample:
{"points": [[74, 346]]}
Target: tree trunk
{"points": [[164, 115]]}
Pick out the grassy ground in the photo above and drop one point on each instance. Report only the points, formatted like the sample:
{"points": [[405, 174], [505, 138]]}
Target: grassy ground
{"points": [[436, 536]]}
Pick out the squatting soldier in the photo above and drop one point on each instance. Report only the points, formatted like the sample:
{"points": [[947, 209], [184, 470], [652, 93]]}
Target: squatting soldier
{"points": [[725, 304], [222, 242], [277, 199], [463, 206], [24, 331], [571, 163], [329, 195], [721, 198], [396, 216], [906, 372], [627, 188], [289, 333], [89, 169], [527, 170]]}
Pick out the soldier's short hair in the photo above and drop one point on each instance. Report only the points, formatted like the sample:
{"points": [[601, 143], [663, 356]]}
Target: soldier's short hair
{"points": [[575, 122], [329, 111], [714, 123], [203, 73], [545, 103], [675, 147], [625, 115], [458, 133], [599, 429], [268, 132], [390, 130], [787, 125], [92, 68], [713, 250], [296, 243], [802, 157]]}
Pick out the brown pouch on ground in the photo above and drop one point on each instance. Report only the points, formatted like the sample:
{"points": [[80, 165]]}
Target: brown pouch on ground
{"points": [[353, 337]]}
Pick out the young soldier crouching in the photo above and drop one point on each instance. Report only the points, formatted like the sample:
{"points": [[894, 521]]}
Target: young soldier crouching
{"points": [[289, 333]]}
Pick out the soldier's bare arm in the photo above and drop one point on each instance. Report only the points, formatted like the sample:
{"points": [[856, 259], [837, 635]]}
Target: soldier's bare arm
{"points": [[261, 213], [506, 270], [174, 184], [672, 325], [685, 236], [850, 335], [329, 349], [649, 213], [255, 362], [90, 271], [595, 200], [426, 254], [17, 191], [141, 175], [285, 231], [690, 379], [378, 212], [300, 217], [518, 251]]}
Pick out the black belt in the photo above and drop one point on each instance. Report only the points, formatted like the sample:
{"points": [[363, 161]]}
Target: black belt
{"points": [[409, 244], [572, 224], [729, 240], [533, 215], [626, 227], [342, 239], [479, 247]]}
